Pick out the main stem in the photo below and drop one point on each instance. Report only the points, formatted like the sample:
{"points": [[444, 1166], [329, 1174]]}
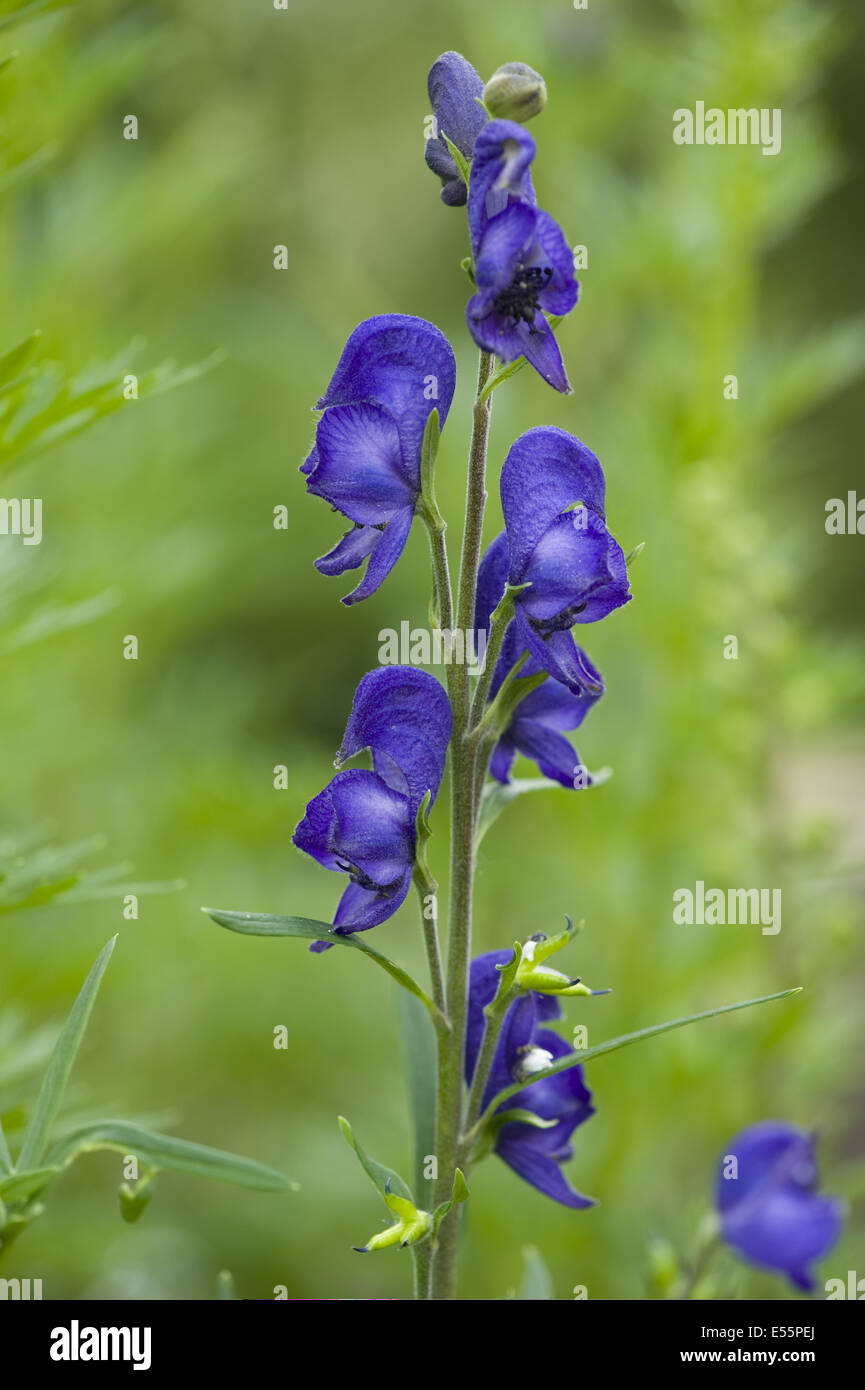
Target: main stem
{"points": [[462, 859]]}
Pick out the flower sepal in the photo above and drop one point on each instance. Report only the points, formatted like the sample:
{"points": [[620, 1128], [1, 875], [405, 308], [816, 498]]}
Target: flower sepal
{"points": [[410, 1227], [533, 974], [412, 1224]]}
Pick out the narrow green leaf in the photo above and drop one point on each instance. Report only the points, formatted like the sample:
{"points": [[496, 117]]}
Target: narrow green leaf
{"points": [[5, 1156], [384, 1179], [19, 1186], [458, 157], [308, 929], [523, 1117], [576, 1059], [459, 1193], [537, 1281], [428, 452], [62, 1059], [419, 1046], [633, 554], [165, 1151], [509, 369], [497, 795], [17, 357]]}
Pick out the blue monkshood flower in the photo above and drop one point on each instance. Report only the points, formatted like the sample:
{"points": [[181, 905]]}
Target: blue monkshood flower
{"points": [[557, 543], [769, 1207], [524, 1047], [540, 720], [363, 823], [394, 370], [455, 90], [524, 267]]}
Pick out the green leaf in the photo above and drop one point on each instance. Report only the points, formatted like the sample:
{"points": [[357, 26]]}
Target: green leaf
{"points": [[19, 1186], [62, 1059], [459, 1193], [419, 1046], [134, 1199], [537, 1281], [632, 555], [27, 9], [428, 453], [518, 1116], [225, 1289], [308, 929], [576, 1059], [509, 369], [5, 1156], [384, 1179], [12, 362], [497, 795], [165, 1151], [458, 157]]}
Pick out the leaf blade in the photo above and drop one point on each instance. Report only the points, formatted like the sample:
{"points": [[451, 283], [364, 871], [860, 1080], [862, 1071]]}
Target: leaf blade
{"points": [[384, 1179], [164, 1151], [309, 929], [61, 1063], [575, 1059]]}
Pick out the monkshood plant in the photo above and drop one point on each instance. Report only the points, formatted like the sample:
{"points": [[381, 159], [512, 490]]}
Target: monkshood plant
{"points": [[51, 1144], [504, 1082]]}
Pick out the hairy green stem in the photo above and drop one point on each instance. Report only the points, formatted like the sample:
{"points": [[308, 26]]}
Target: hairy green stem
{"points": [[427, 889], [422, 1268], [499, 621], [462, 858], [435, 530], [494, 1018]]}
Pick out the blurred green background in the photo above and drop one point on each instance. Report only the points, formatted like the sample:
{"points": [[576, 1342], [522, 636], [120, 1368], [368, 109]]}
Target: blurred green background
{"points": [[304, 127]]}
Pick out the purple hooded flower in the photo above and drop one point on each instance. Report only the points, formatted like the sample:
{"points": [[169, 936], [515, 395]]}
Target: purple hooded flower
{"points": [[538, 724], [524, 1045], [393, 371], [769, 1207], [455, 90], [556, 541], [363, 823], [523, 265]]}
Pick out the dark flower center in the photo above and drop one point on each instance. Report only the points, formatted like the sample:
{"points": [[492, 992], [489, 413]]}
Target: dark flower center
{"points": [[364, 881], [519, 301], [545, 627]]}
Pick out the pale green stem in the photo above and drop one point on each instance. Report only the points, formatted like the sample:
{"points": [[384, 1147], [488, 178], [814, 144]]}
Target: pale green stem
{"points": [[462, 860]]}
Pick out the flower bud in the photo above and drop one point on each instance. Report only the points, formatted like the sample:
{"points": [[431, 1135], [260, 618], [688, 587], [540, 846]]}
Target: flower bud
{"points": [[411, 1226], [515, 92], [543, 979]]}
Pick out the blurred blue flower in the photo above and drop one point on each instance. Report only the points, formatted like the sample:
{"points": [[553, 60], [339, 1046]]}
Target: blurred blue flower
{"points": [[769, 1207], [394, 370], [363, 823], [455, 90], [524, 1046]]}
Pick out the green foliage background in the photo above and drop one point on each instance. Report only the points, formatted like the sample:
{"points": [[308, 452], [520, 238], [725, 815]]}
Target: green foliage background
{"points": [[305, 127]]}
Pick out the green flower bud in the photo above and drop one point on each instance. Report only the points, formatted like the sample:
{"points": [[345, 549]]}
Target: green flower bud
{"points": [[533, 974], [410, 1227], [515, 92]]}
